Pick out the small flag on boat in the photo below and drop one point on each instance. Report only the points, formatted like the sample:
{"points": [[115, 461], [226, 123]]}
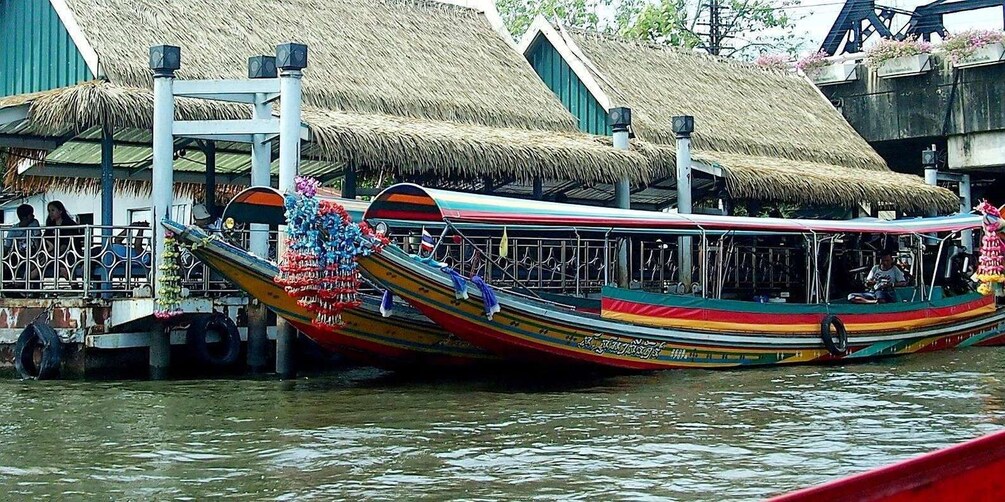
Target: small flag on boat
{"points": [[427, 241], [387, 304], [504, 244]]}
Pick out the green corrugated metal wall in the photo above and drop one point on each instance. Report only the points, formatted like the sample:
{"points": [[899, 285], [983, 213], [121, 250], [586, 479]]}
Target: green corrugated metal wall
{"points": [[36, 52], [558, 76]]}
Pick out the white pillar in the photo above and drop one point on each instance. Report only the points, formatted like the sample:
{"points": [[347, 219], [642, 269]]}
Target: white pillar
{"points": [[164, 60], [620, 119], [682, 127], [261, 150], [928, 159], [290, 59], [258, 243], [966, 205]]}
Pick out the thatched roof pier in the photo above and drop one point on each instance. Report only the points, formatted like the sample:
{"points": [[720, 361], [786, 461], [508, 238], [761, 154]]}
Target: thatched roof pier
{"points": [[435, 92]]}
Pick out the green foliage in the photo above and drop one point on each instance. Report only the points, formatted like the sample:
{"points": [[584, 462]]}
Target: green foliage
{"points": [[746, 27], [519, 14]]}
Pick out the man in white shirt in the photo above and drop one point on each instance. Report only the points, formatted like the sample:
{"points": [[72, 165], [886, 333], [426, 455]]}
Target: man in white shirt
{"points": [[886, 273]]}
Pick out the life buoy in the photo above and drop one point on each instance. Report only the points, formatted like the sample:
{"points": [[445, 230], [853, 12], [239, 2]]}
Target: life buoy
{"points": [[839, 346], [226, 352], [38, 339]]}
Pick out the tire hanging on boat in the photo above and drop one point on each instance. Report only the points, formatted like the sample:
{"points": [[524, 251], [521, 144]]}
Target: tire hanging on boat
{"points": [[230, 339], [838, 347], [38, 337]]}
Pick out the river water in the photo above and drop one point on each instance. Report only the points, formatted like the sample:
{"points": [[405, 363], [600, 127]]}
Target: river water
{"points": [[367, 434]]}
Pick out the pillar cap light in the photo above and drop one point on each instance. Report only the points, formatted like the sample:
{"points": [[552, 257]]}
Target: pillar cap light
{"points": [[619, 118], [928, 157], [165, 59], [262, 67], [291, 56], [682, 125]]}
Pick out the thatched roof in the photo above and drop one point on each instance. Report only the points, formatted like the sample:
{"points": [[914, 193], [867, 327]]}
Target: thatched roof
{"points": [[380, 142], [413, 58], [772, 134], [737, 107], [403, 86]]}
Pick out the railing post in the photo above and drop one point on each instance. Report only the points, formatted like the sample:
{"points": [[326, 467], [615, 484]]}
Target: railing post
{"points": [[291, 59], [682, 127], [164, 61], [86, 266], [620, 120]]}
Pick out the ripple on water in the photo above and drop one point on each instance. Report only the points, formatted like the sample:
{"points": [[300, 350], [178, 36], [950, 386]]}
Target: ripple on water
{"points": [[675, 435]]}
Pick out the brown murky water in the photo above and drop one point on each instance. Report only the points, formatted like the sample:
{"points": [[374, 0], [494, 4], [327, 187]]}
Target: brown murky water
{"points": [[366, 434]]}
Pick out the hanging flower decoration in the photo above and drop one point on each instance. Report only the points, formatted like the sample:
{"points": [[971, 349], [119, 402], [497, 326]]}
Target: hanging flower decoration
{"points": [[299, 270], [319, 266], [991, 268], [168, 280]]}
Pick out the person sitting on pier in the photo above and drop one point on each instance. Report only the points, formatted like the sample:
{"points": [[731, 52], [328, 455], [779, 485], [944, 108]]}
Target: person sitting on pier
{"points": [[17, 237], [18, 245], [62, 245]]}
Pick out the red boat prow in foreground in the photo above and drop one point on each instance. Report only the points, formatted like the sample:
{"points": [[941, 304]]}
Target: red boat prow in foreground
{"points": [[971, 471]]}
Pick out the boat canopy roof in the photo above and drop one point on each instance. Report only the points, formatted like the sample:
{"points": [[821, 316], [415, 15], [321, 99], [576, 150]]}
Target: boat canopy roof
{"points": [[267, 205], [409, 202]]}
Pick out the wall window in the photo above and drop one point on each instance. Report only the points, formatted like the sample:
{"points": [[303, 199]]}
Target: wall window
{"points": [[138, 215]]}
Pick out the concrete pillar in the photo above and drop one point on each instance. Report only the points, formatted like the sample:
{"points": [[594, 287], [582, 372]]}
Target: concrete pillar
{"points": [[160, 353], [261, 176], [682, 127], [928, 159], [291, 59], [966, 205], [620, 120], [164, 61], [107, 179]]}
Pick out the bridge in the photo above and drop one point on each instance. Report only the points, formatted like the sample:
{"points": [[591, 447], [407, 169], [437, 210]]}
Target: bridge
{"points": [[958, 111]]}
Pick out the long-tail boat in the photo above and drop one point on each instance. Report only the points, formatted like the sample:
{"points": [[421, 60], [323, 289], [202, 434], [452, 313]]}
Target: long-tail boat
{"points": [[642, 330], [969, 471], [406, 339]]}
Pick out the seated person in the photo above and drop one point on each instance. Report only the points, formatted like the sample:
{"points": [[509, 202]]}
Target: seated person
{"points": [[19, 244], [17, 236], [882, 279], [202, 219], [137, 238]]}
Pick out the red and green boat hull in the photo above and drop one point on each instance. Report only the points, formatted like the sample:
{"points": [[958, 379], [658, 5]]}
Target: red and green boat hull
{"points": [[406, 339], [530, 329]]}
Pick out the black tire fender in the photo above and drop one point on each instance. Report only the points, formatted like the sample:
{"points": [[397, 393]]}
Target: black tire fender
{"points": [[33, 337], [838, 346], [230, 339]]}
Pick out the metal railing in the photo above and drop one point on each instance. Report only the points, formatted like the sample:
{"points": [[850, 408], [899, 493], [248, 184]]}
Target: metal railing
{"points": [[89, 261], [582, 265]]}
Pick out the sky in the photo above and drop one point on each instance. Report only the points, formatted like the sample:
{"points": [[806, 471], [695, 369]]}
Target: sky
{"points": [[820, 16]]}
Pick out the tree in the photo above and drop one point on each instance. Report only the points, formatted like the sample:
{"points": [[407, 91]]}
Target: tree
{"points": [[731, 28], [519, 14]]}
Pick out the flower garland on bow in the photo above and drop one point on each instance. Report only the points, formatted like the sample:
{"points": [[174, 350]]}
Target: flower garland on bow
{"points": [[168, 280], [299, 270], [319, 266], [991, 268]]}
